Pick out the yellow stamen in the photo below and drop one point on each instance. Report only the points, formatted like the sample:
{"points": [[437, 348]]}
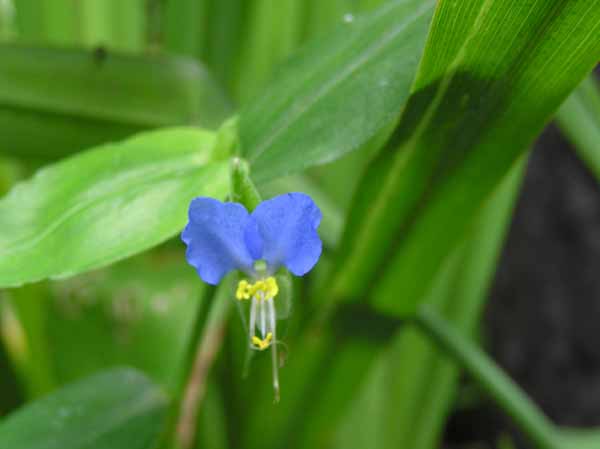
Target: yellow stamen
{"points": [[268, 287], [262, 344], [243, 290]]}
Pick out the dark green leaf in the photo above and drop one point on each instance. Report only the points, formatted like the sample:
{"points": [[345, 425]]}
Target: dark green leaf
{"points": [[105, 204], [118, 409], [55, 102], [492, 75], [337, 93]]}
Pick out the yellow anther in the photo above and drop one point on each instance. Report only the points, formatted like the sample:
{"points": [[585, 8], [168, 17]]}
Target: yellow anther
{"points": [[268, 287], [243, 290], [271, 287], [262, 344]]}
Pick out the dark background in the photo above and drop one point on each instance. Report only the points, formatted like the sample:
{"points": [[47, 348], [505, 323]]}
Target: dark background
{"points": [[542, 320]]}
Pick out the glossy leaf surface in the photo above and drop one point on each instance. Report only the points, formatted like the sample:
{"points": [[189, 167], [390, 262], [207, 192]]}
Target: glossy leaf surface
{"points": [[105, 204]]}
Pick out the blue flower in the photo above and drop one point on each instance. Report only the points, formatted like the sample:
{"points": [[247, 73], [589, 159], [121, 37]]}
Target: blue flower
{"points": [[282, 231]]}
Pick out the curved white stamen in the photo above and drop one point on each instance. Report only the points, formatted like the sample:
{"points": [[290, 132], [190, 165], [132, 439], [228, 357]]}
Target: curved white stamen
{"points": [[251, 328], [275, 362], [263, 315]]}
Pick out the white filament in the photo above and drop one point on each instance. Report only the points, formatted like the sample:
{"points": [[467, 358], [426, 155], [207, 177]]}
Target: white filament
{"points": [[275, 362], [252, 319], [263, 317]]}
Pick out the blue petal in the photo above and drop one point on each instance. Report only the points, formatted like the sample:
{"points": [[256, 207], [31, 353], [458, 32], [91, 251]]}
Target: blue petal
{"points": [[288, 227], [215, 239], [253, 239]]}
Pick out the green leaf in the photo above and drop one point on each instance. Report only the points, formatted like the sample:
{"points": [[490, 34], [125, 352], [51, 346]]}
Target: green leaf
{"points": [[185, 26], [417, 382], [55, 102], [491, 379], [273, 29], [337, 93], [105, 204], [118, 409], [139, 312], [580, 438], [579, 119], [429, 379], [492, 75]]}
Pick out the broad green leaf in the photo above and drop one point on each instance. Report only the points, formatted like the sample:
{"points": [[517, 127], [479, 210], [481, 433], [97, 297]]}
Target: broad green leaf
{"points": [[492, 75], [321, 16], [417, 382], [55, 102], [336, 93], [579, 119], [118, 409], [459, 292], [140, 312], [105, 204]]}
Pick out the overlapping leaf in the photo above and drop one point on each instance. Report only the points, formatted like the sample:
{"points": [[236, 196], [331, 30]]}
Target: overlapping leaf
{"points": [[118, 409], [54, 102], [493, 74], [337, 93], [105, 204]]}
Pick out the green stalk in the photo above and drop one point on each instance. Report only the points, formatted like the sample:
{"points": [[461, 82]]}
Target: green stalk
{"points": [[30, 21], [579, 119], [274, 29], [60, 22], [509, 397], [186, 27], [128, 25]]}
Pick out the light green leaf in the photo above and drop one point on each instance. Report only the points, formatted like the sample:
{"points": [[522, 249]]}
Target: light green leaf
{"points": [[337, 93], [580, 438], [118, 409], [492, 75], [55, 102], [105, 204], [579, 119]]}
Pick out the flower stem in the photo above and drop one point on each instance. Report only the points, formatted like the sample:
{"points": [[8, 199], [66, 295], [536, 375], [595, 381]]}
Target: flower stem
{"points": [[508, 396], [243, 189], [207, 348]]}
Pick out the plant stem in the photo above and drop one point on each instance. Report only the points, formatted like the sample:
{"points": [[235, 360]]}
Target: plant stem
{"points": [[207, 349], [508, 396]]}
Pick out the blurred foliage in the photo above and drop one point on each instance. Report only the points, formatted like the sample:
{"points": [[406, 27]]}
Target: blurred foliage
{"points": [[433, 118]]}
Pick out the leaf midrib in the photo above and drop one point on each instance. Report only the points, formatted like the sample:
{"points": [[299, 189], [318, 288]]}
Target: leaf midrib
{"points": [[25, 242]]}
